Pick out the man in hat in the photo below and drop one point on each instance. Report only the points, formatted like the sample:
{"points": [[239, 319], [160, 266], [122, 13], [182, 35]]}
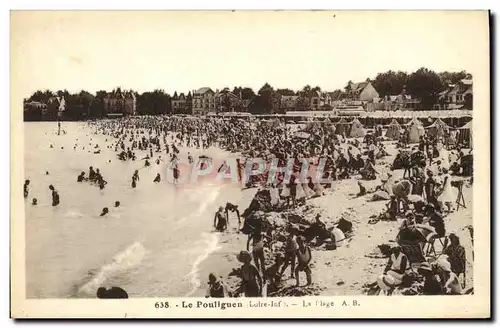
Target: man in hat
{"points": [[432, 284], [216, 288]]}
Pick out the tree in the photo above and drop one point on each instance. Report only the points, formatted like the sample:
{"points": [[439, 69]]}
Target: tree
{"points": [[452, 77], [285, 92], [390, 83], [425, 84], [154, 103], [267, 101], [246, 93], [97, 105]]}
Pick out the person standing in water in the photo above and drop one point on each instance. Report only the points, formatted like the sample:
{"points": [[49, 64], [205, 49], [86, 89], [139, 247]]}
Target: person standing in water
{"points": [[176, 174], [135, 178], [55, 196], [26, 189], [234, 209], [157, 178], [220, 221]]}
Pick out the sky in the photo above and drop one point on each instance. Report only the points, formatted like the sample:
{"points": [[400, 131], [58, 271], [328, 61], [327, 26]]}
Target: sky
{"points": [[186, 50]]}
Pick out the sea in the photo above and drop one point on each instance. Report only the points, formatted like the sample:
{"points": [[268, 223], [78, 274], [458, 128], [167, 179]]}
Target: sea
{"points": [[152, 245]]}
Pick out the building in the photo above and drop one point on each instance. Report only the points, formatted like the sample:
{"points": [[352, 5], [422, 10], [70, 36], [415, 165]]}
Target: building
{"points": [[227, 101], [204, 101], [457, 96], [118, 102], [362, 91], [402, 101], [318, 100], [182, 104], [288, 103]]}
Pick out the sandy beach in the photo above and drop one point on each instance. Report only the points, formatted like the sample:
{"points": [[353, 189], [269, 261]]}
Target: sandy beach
{"points": [[345, 270]]}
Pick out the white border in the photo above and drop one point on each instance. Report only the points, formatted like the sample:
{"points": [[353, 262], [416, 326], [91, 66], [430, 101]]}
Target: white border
{"points": [[256, 4]]}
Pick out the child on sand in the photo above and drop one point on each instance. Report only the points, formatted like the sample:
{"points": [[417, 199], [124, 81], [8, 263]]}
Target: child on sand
{"points": [[216, 288], [304, 258]]}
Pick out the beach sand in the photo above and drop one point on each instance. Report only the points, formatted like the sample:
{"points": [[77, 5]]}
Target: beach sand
{"points": [[345, 270]]}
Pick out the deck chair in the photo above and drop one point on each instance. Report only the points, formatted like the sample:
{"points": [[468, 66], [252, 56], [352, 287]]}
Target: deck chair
{"points": [[432, 249], [414, 253]]}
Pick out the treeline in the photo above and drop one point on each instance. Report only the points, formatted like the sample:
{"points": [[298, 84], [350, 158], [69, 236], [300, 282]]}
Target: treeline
{"points": [[423, 84]]}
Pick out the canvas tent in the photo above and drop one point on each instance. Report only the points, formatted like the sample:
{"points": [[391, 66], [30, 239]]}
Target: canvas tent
{"points": [[465, 135], [393, 130], [437, 129], [416, 130], [342, 127], [356, 130]]}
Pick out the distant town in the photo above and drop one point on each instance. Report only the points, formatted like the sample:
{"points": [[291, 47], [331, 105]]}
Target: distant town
{"points": [[389, 91]]}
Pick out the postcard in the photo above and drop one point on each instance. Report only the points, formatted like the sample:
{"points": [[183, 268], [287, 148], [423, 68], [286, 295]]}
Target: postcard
{"points": [[250, 164]]}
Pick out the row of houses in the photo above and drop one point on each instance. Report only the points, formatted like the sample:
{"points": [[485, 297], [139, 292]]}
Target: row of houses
{"points": [[205, 100], [360, 96]]}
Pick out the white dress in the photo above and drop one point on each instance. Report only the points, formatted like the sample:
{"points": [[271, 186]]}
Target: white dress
{"points": [[444, 157], [448, 195]]}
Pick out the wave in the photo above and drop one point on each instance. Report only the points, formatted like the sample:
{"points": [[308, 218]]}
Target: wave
{"points": [[212, 245], [130, 257], [205, 198], [73, 214]]}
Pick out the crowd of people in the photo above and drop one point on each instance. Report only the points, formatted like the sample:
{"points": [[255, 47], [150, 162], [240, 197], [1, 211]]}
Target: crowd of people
{"points": [[422, 198]]}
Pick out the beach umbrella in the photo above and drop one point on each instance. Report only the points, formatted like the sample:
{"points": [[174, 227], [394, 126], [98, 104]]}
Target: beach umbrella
{"points": [[424, 230]]}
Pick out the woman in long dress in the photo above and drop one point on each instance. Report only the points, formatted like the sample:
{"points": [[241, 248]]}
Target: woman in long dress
{"points": [[447, 196]]}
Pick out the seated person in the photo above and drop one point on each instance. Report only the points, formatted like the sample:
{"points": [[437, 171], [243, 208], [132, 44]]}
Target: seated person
{"points": [[362, 189], [455, 169]]}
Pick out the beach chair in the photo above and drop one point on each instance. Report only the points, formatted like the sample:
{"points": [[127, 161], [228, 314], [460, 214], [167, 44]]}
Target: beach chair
{"points": [[431, 249], [414, 253]]}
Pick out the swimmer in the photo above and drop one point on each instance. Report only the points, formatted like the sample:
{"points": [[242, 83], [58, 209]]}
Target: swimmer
{"points": [[55, 196], [104, 211], [46, 172], [81, 177], [117, 204], [34, 201], [26, 189], [158, 178], [91, 173]]}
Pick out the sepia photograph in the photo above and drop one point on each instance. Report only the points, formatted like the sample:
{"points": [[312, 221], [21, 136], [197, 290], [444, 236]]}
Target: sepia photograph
{"points": [[239, 160]]}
